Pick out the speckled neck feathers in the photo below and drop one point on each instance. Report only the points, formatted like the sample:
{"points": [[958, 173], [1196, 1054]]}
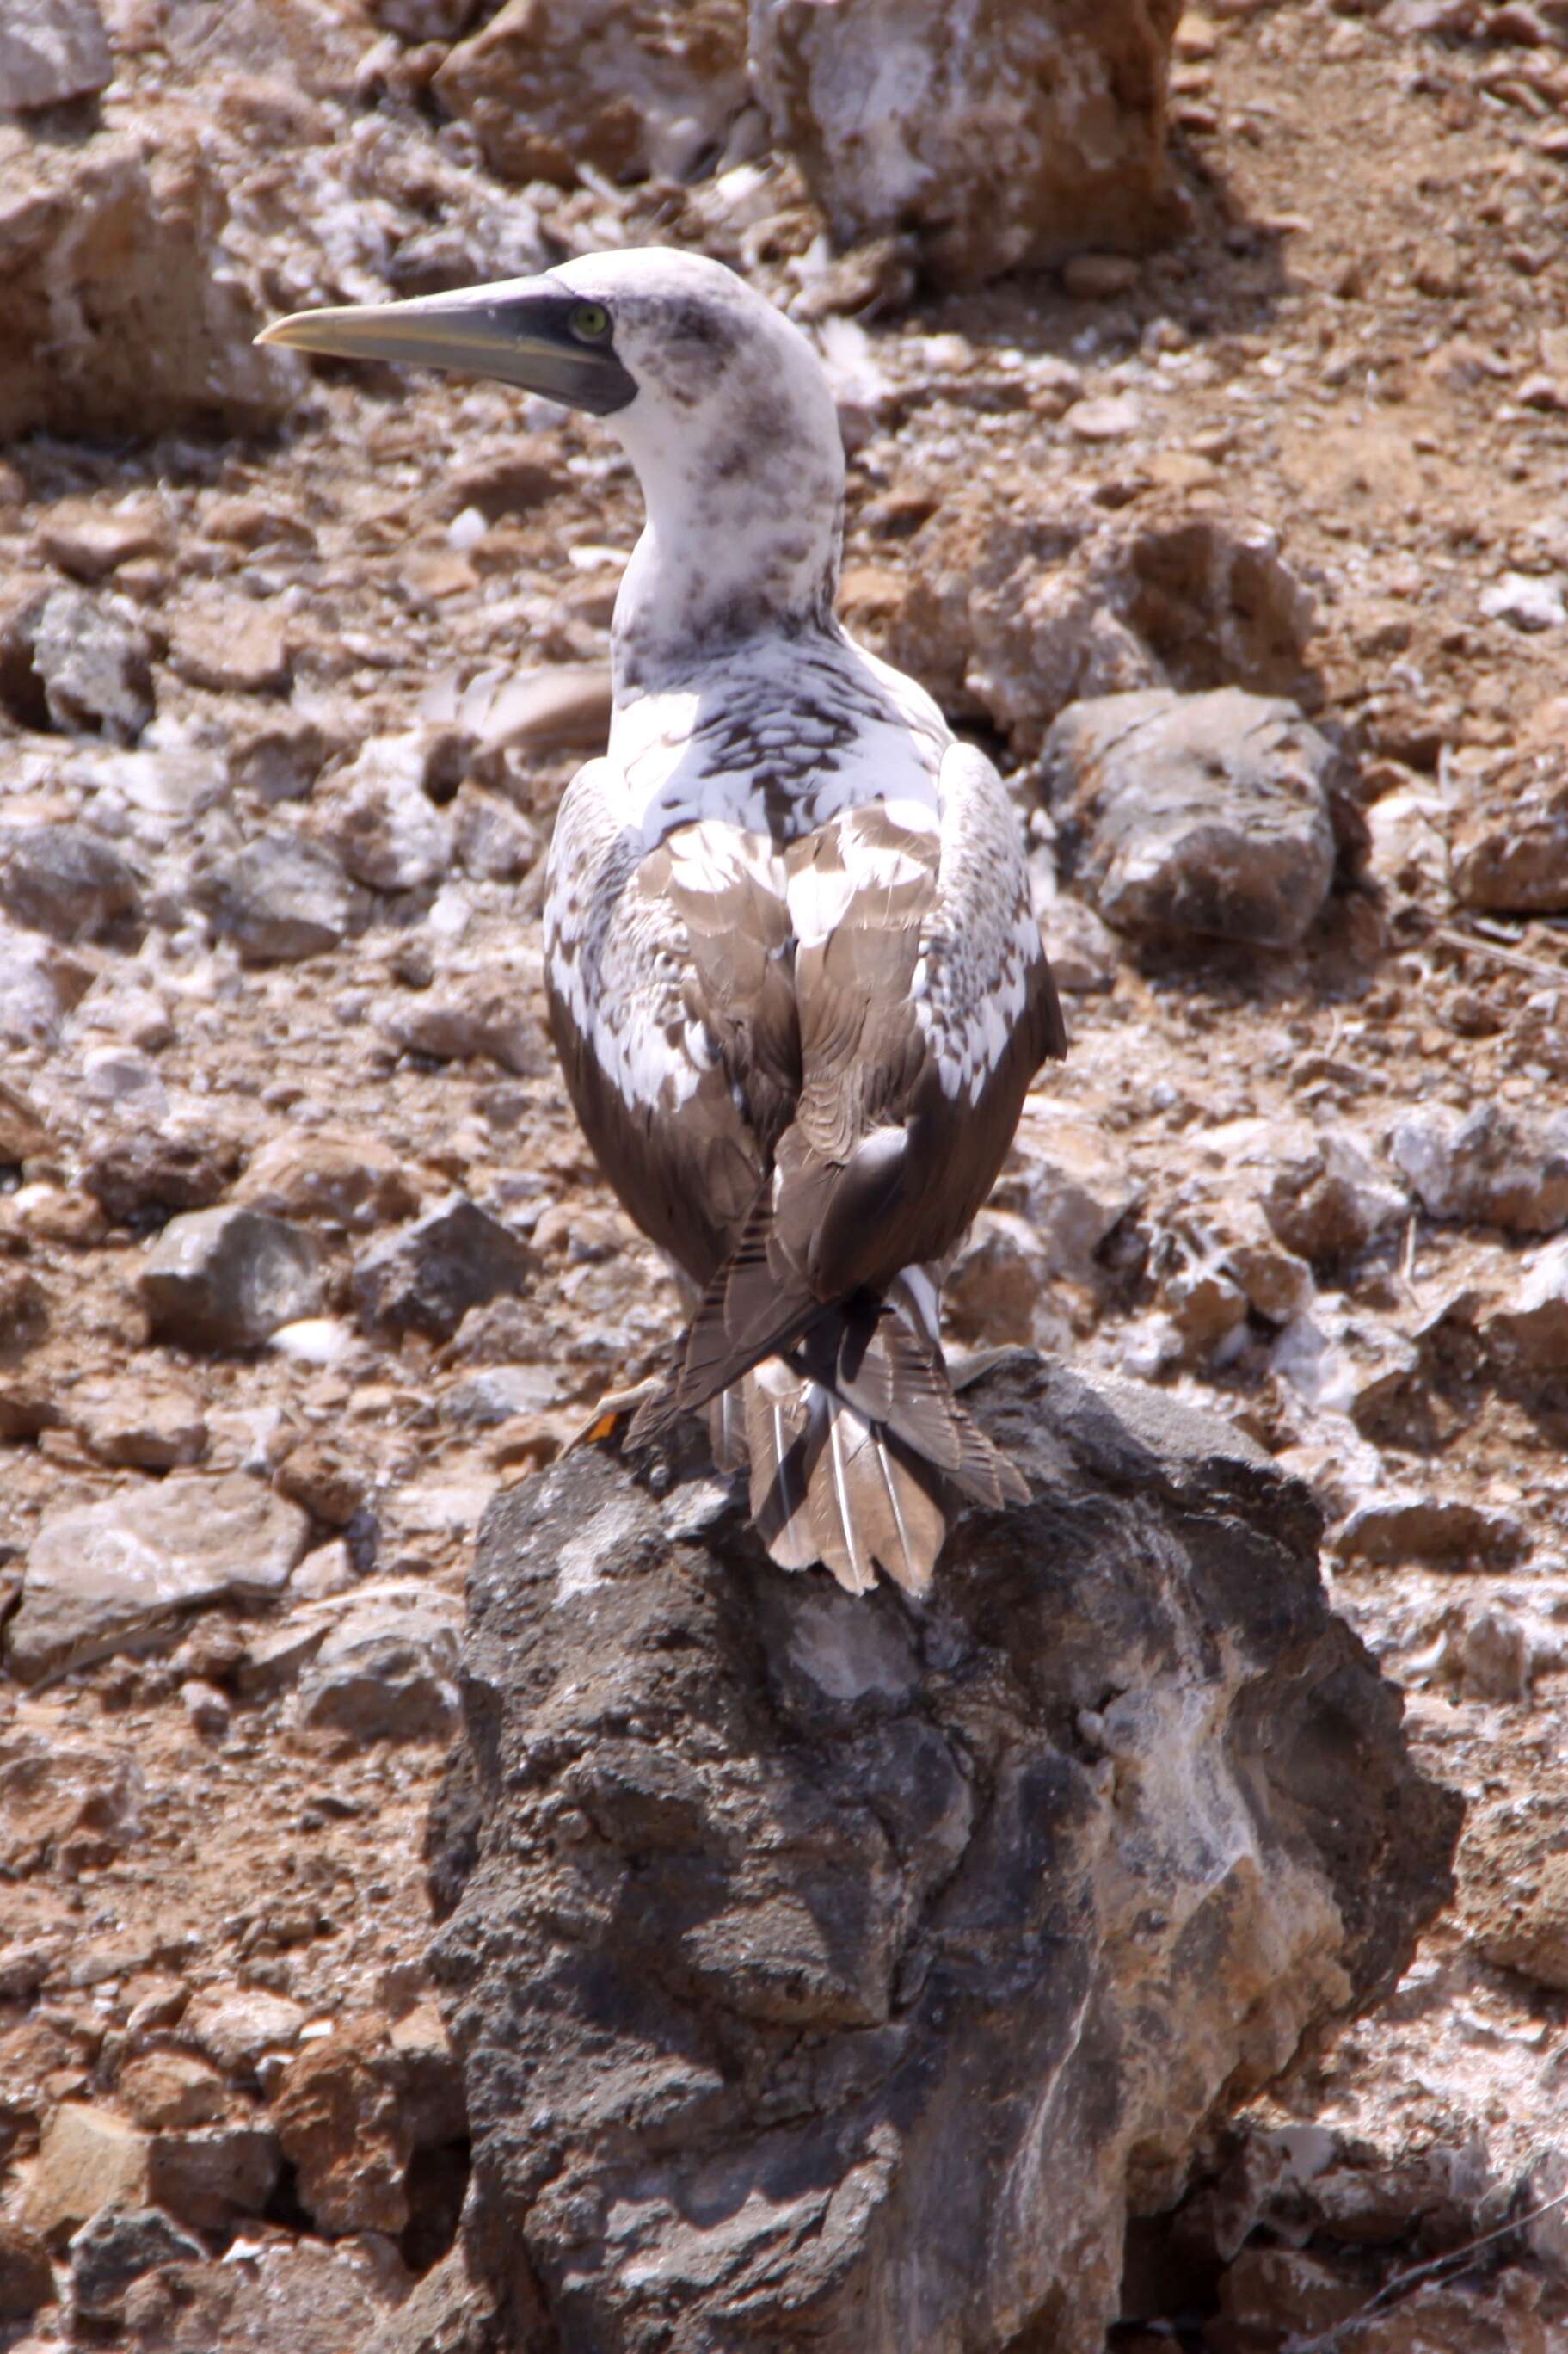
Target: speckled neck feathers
{"points": [[736, 442]]}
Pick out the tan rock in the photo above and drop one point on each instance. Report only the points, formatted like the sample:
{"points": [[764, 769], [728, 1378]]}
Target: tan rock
{"points": [[1510, 844], [343, 2126], [351, 1180], [630, 87], [88, 2157], [235, 2026], [144, 1425], [123, 313], [172, 2088], [316, 1476], [234, 647], [1513, 1886], [90, 541]]}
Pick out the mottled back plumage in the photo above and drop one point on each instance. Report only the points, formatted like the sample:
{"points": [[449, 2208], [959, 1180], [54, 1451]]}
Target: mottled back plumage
{"points": [[795, 982]]}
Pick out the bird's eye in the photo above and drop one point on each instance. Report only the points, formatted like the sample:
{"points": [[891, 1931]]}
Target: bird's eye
{"points": [[590, 323]]}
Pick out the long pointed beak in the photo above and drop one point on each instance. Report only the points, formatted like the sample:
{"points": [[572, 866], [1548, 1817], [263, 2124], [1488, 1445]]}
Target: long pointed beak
{"points": [[517, 330]]}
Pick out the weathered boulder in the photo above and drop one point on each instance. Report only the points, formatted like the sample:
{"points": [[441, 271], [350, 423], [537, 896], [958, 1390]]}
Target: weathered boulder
{"points": [[1005, 137], [123, 312], [1016, 608], [627, 87], [1196, 813], [842, 1971]]}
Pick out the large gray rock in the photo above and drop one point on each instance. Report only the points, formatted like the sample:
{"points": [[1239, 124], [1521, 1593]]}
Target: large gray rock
{"points": [[1005, 137], [68, 881], [842, 1972], [278, 899], [426, 1279], [1202, 813], [100, 1577], [228, 1278]]}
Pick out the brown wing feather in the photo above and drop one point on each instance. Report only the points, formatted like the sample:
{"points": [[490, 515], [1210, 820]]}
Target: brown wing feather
{"points": [[688, 1068]]}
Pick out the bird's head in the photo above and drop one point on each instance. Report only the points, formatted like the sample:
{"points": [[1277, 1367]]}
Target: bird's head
{"points": [[719, 401], [664, 344]]}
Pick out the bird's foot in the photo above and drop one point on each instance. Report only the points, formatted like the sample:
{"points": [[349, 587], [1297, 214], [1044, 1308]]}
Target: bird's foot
{"points": [[613, 1409]]}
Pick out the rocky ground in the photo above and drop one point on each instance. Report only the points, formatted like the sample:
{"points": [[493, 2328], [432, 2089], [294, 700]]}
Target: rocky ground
{"points": [[299, 1251]]}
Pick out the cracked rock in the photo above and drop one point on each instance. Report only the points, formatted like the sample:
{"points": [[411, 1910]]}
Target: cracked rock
{"points": [[1194, 813], [1003, 1900]]}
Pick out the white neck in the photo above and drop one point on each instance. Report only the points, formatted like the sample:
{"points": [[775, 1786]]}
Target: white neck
{"points": [[745, 524]]}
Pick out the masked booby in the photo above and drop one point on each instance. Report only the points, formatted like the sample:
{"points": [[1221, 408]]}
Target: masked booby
{"points": [[795, 983]]}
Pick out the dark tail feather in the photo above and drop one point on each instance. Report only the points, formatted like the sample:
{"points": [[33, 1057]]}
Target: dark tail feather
{"points": [[869, 1355], [757, 1306]]}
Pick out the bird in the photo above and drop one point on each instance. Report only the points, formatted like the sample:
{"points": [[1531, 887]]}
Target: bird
{"points": [[795, 981]]}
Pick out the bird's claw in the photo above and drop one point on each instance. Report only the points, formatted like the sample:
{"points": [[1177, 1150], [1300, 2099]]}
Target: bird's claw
{"points": [[613, 1409]]}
